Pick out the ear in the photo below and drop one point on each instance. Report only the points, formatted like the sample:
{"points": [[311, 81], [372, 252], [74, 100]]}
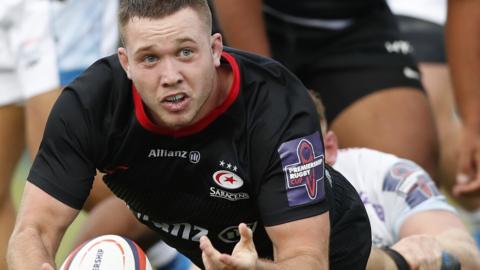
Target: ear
{"points": [[331, 147], [123, 57], [217, 48]]}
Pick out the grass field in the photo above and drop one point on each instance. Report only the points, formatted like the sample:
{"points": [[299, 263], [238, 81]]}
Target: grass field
{"points": [[17, 187]]}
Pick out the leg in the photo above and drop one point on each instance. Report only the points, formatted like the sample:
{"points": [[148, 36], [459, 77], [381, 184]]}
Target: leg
{"points": [[436, 79], [12, 145], [395, 120]]}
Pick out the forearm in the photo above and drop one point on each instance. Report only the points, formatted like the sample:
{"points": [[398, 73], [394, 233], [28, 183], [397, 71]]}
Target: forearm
{"points": [[463, 46], [29, 250], [243, 25], [40, 226], [461, 245]]}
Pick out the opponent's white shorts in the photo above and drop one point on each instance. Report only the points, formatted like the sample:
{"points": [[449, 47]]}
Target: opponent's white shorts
{"points": [[85, 31], [28, 63]]}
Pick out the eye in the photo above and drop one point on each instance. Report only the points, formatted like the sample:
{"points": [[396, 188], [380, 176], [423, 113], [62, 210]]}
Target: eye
{"points": [[150, 59], [186, 52]]}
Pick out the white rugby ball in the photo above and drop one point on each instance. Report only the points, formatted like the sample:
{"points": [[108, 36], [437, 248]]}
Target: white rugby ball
{"points": [[107, 252]]}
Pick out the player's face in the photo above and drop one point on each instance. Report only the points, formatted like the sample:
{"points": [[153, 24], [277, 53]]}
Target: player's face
{"points": [[172, 62]]}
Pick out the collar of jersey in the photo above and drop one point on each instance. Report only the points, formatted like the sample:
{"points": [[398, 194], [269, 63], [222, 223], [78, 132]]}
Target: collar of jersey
{"points": [[146, 123]]}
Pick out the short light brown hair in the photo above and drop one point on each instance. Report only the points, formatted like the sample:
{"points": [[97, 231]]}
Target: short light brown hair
{"points": [[156, 9], [320, 109]]}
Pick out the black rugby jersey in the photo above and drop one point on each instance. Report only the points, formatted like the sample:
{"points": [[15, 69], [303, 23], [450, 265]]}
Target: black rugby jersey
{"points": [[323, 9], [257, 158]]}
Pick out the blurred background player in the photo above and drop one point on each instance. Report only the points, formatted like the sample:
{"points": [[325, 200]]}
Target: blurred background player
{"points": [[406, 211], [44, 46], [422, 24], [353, 55], [28, 88], [463, 47], [463, 44], [85, 31]]}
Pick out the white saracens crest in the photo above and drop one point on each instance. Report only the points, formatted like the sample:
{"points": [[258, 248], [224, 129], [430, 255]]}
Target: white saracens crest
{"points": [[227, 179]]}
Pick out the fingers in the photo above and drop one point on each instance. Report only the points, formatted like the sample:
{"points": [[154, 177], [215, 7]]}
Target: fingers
{"points": [[229, 260], [420, 251], [465, 170], [210, 255], [468, 181], [207, 248], [246, 234], [471, 188], [244, 253], [468, 170], [243, 257]]}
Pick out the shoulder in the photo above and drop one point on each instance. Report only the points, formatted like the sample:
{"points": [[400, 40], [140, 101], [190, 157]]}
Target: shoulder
{"points": [[269, 86], [104, 71], [256, 69], [103, 81]]}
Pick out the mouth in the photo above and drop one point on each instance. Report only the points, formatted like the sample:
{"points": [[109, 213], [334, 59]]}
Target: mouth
{"points": [[175, 103], [175, 98]]}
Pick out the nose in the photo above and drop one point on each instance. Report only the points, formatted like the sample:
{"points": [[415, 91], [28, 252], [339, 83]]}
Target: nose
{"points": [[170, 75]]}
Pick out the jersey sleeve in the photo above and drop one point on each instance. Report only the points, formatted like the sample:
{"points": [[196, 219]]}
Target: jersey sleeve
{"points": [[289, 152], [407, 189], [64, 166]]}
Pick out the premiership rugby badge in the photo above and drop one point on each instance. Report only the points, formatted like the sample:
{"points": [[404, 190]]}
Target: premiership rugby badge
{"points": [[302, 162]]}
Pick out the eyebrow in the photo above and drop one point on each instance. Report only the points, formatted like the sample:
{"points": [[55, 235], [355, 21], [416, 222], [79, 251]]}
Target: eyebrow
{"points": [[145, 48], [185, 39], [177, 42]]}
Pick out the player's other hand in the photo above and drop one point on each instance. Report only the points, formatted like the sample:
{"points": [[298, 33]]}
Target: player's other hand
{"points": [[421, 252], [243, 257], [468, 171]]}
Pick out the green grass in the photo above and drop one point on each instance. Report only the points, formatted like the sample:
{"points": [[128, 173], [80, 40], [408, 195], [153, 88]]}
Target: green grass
{"points": [[17, 188]]}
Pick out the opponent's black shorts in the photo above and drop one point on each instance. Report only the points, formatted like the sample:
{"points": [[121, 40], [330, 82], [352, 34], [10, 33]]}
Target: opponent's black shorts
{"points": [[348, 64], [350, 235], [427, 39]]}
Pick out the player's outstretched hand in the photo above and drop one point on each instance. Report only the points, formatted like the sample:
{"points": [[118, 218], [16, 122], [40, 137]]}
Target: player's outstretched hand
{"points": [[421, 252], [468, 172], [243, 257]]}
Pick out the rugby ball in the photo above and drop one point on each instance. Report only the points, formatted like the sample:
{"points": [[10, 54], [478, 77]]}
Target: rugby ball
{"points": [[107, 252]]}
